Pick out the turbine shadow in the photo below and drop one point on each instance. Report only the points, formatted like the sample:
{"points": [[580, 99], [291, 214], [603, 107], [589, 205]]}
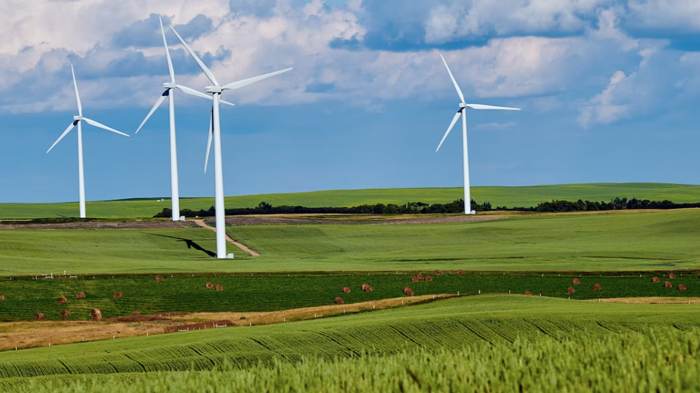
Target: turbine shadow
{"points": [[190, 244]]}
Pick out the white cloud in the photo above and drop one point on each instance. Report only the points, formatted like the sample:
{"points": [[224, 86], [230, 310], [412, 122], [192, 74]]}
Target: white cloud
{"points": [[676, 15]]}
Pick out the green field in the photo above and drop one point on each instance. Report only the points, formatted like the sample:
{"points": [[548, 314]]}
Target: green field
{"points": [[262, 292], [451, 324], [587, 242], [497, 196]]}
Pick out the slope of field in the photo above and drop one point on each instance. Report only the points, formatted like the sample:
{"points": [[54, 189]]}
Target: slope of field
{"points": [[453, 323], [497, 196], [262, 292], [26, 251]]}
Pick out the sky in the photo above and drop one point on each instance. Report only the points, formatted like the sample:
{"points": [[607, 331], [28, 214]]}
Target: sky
{"points": [[608, 88]]}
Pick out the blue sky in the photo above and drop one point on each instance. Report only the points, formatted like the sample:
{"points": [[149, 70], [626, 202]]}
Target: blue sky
{"points": [[609, 91]]}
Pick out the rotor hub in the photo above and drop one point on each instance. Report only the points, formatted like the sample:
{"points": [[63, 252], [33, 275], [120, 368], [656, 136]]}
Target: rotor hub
{"points": [[77, 118], [462, 105]]}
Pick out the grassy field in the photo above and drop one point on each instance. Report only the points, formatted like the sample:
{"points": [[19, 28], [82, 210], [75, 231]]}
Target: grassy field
{"points": [[451, 324], [497, 196], [588, 242], [263, 292]]}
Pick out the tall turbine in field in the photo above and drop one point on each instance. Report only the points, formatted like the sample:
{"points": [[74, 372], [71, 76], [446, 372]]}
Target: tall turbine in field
{"points": [[215, 90], [168, 93], [462, 112], [77, 120]]}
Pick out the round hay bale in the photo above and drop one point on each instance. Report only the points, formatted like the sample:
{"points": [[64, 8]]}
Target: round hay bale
{"points": [[576, 281], [95, 314], [38, 316], [681, 287], [62, 300], [65, 313], [209, 285], [219, 288], [339, 300], [414, 279], [117, 294], [437, 272], [667, 284], [596, 287], [571, 290], [408, 291], [2, 297], [460, 272], [420, 276], [369, 289], [159, 278], [527, 293], [80, 295], [428, 278], [364, 286], [346, 290], [671, 275], [655, 279]]}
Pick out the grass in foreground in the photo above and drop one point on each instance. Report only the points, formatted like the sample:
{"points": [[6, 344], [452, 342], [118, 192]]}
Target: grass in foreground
{"points": [[498, 196], [655, 359]]}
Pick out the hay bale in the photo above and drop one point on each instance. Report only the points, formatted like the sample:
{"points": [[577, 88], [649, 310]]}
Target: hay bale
{"points": [[65, 313], [117, 294], [420, 276], [80, 295], [527, 293], [571, 290], [2, 297], [437, 272], [655, 279], [159, 278], [339, 300], [460, 272], [428, 278], [38, 316], [576, 281], [667, 284], [369, 289], [681, 287], [62, 300], [596, 287], [671, 275], [408, 291], [414, 279], [364, 286], [346, 290], [209, 285], [95, 314], [219, 288]]}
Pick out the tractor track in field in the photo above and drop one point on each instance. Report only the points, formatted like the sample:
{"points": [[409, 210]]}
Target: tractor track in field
{"points": [[252, 253]]}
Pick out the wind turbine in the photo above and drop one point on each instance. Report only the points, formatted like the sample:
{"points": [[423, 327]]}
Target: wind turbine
{"points": [[215, 90], [168, 93], [462, 112], [77, 120]]}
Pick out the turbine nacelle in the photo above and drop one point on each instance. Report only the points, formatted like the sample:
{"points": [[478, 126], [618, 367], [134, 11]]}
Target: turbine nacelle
{"points": [[214, 89], [462, 105], [170, 85], [77, 119]]}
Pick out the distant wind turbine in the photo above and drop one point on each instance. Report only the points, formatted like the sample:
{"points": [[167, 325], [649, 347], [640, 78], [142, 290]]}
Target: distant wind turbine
{"points": [[77, 120], [462, 112], [215, 90], [168, 93]]}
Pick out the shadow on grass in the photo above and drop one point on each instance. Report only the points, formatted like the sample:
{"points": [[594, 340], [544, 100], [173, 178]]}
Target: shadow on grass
{"points": [[190, 244]]}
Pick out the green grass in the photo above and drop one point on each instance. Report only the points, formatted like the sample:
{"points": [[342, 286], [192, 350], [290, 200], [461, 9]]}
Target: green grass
{"points": [[450, 324], [497, 196], [263, 292]]}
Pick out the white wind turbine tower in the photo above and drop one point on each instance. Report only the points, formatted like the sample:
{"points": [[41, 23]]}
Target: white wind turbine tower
{"points": [[168, 93], [462, 112], [215, 90], [77, 120]]}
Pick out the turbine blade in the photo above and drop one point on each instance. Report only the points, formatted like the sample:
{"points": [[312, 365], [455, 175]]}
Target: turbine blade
{"points": [[70, 127], [454, 120], [167, 53], [102, 126], [503, 108], [226, 102], [160, 101], [201, 65], [459, 91], [193, 92], [77, 95], [211, 131], [246, 82]]}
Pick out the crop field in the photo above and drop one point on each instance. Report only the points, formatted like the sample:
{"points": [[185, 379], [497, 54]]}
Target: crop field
{"points": [[498, 196], [484, 323], [262, 292]]}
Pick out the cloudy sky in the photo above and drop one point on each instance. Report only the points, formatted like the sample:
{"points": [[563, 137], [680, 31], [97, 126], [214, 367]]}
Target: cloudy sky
{"points": [[609, 91]]}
